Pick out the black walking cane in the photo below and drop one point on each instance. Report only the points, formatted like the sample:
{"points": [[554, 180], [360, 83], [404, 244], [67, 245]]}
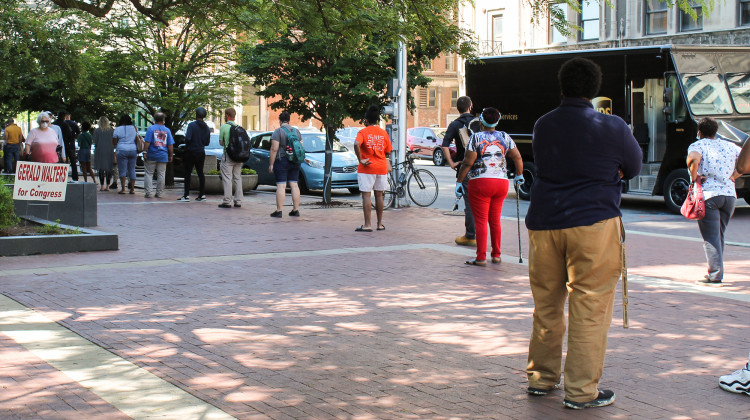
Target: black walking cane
{"points": [[518, 217]]}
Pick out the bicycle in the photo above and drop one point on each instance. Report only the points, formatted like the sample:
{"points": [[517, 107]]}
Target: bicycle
{"points": [[420, 184]]}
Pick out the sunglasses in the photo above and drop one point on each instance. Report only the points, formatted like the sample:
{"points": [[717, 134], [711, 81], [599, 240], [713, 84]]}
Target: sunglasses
{"points": [[497, 155]]}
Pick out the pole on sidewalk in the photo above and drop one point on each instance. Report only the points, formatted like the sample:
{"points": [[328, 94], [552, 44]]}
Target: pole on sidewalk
{"points": [[624, 259], [518, 218]]}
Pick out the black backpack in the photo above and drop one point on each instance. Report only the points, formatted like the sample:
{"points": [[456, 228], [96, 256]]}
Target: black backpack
{"points": [[239, 147]]}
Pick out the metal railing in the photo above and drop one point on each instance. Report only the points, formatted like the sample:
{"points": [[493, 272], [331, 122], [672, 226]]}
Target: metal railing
{"points": [[488, 48]]}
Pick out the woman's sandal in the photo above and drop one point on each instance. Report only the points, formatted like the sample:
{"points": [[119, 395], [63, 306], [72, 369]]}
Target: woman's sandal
{"points": [[496, 260], [481, 263]]}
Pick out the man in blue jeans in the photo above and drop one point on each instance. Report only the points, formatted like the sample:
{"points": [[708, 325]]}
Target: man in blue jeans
{"points": [[159, 148], [12, 137], [463, 105]]}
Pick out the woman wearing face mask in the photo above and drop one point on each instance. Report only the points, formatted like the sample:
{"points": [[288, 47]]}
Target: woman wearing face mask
{"points": [[43, 141], [485, 164]]}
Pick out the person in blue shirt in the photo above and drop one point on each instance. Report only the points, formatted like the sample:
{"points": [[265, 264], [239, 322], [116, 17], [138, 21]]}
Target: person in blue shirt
{"points": [[575, 248], [159, 148]]}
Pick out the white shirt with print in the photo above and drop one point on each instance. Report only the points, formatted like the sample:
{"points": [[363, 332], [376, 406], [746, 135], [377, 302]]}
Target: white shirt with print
{"points": [[718, 158]]}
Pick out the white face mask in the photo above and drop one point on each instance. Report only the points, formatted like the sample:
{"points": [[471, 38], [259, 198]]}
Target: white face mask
{"points": [[44, 125]]}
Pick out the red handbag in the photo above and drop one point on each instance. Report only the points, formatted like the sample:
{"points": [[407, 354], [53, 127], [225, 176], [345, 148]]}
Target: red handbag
{"points": [[694, 207]]}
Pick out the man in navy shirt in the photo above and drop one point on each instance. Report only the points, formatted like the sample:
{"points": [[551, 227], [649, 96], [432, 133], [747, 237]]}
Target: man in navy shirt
{"points": [[197, 137], [575, 246], [159, 149]]}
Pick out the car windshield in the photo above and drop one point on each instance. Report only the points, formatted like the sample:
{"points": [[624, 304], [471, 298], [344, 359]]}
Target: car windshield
{"points": [[739, 87], [214, 144], [707, 94], [316, 143]]}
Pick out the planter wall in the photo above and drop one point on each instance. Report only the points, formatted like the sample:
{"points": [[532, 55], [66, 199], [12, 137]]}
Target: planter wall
{"points": [[87, 240], [214, 185], [78, 209]]}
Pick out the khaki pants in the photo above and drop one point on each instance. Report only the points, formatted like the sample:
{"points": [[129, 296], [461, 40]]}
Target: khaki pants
{"points": [[582, 264], [231, 175]]}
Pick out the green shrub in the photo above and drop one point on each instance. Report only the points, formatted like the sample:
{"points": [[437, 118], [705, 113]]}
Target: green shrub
{"points": [[55, 229], [248, 171], [7, 179], [213, 172], [7, 212]]}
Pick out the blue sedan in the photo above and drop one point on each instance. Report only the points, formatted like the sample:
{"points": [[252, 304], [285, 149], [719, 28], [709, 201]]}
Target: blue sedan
{"points": [[344, 162]]}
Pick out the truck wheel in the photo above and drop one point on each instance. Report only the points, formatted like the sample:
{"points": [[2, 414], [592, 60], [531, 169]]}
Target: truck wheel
{"points": [[437, 158], [676, 188], [529, 175]]}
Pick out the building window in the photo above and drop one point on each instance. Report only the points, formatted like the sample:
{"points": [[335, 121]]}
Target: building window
{"points": [[687, 23], [497, 28], [557, 12], [432, 97], [454, 97], [656, 17], [450, 62], [428, 65], [590, 20], [744, 12], [422, 98]]}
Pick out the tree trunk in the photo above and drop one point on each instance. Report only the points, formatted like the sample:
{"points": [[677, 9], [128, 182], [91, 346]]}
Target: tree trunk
{"points": [[328, 166]]}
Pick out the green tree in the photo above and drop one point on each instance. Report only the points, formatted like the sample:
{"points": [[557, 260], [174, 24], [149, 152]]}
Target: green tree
{"points": [[331, 60], [173, 68], [45, 63]]}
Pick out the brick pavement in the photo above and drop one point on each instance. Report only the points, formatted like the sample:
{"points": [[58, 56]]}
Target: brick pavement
{"points": [[304, 318]]}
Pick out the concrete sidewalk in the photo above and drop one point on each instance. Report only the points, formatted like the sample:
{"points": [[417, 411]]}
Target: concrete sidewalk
{"points": [[216, 313]]}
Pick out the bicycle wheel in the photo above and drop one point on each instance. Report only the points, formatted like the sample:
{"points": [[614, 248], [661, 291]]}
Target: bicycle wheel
{"points": [[389, 195], [422, 187]]}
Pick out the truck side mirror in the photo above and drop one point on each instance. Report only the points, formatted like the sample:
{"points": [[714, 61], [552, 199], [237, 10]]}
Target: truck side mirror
{"points": [[667, 95]]}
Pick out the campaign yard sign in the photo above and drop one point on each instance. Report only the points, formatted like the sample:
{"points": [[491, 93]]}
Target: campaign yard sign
{"points": [[40, 181]]}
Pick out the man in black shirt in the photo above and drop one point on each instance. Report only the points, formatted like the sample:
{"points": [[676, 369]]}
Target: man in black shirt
{"points": [[69, 141], [575, 248], [463, 104]]}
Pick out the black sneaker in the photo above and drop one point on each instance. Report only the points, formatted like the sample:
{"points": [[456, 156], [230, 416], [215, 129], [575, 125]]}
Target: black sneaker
{"points": [[201, 198], [183, 199], [237, 205], [539, 391], [277, 213], [605, 397], [224, 206], [294, 213], [707, 280]]}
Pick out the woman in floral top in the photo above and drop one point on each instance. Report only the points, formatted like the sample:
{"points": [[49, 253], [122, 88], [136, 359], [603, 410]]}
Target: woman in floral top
{"points": [[713, 160], [485, 164]]}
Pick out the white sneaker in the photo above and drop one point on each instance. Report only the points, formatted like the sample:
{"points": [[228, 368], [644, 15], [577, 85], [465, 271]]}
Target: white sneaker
{"points": [[738, 382], [183, 199], [201, 198]]}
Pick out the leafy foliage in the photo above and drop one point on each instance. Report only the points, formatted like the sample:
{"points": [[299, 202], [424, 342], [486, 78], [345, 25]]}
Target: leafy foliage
{"points": [[7, 211], [173, 68]]}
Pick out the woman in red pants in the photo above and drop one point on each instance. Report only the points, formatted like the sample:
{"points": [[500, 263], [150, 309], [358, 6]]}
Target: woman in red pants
{"points": [[485, 164]]}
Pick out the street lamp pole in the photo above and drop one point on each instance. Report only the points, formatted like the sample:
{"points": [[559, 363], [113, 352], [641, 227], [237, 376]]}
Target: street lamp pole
{"points": [[401, 108]]}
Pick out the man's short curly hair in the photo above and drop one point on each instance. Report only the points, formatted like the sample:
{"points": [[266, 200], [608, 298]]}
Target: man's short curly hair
{"points": [[580, 78], [708, 127]]}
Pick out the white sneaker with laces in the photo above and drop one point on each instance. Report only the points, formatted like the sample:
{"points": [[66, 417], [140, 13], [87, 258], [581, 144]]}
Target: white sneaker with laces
{"points": [[738, 382]]}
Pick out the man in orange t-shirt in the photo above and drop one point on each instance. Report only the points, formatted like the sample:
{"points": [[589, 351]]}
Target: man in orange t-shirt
{"points": [[372, 148]]}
